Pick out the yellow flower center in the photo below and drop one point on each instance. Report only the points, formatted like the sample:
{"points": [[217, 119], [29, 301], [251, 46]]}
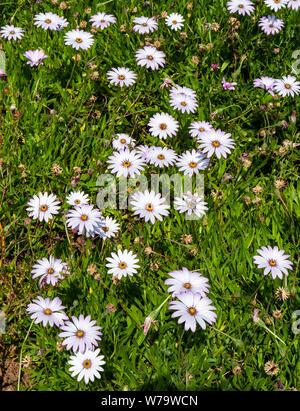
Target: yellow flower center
{"points": [[50, 271], [47, 311], [192, 311], [78, 40], [163, 126], [102, 21], [174, 22], [288, 86], [122, 265], [241, 6], [123, 141], [105, 229], [144, 24], [193, 164], [150, 57], [187, 286], [201, 129], [126, 163], [44, 207], [77, 201], [271, 26], [216, 143], [161, 157], [84, 217], [79, 334], [183, 103], [272, 263], [121, 77], [12, 32], [87, 364], [149, 207], [48, 21], [277, 1]]}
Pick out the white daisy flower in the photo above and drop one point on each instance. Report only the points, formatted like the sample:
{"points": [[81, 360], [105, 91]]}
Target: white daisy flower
{"points": [[270, 24], [163, 125], [175, 21], [121, 76], [50, 270], [162, 156], [80, 334], [87, 365], [183, 91], [102, 20], [48, 21], [108, 228], [287, 86], [184, 280], [84, 219], [77, 198], [191, 162], [240, 6], [150, 57], [47, 311], [197, 128], [35, 57], [184, 104], [62, 23], [144, 151], [126, 163], [267, 83], [273, 260], [191, 309], [149, 205], [191, 204], [43, 207], [122, 264], [79, 39], [145, 25], [123, 141], [11, 32], [276, 4], [216, 142], [293, 4]]}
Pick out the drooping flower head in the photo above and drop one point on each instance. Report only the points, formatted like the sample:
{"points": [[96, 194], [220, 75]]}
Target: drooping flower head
{"points": [[35, 57]]}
